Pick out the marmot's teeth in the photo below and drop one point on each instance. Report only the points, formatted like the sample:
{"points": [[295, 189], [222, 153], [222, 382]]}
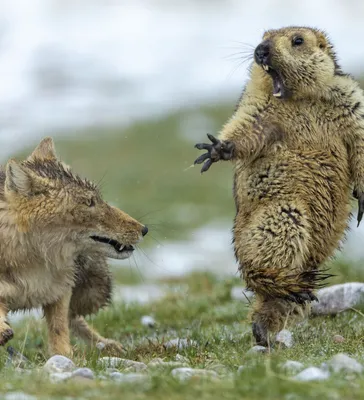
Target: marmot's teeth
{"points": [[278, 94], [266, 67], [121, 247]]}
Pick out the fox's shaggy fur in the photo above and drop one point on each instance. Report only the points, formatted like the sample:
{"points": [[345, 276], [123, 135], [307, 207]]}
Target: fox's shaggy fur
{"points": [[297, 142], [56, 233]]}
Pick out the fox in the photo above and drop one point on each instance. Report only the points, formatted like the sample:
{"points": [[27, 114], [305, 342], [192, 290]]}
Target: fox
{"points": [[56, 234]]}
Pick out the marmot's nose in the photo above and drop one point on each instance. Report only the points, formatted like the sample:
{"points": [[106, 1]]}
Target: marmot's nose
{"points": [[144, 230], [262, 52]]}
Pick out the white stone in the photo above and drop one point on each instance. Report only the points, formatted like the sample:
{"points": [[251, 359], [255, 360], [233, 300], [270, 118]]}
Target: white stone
{"points": [[182, 359], [131, 378], [292, 366], [115, 362], [343, 363], [180, 343], [337, 298], [148, 321], [257, 349], [59, 364], [187, 373], [19, 396], [312, 374], [59, 376], [84, 373], [285, 337]]}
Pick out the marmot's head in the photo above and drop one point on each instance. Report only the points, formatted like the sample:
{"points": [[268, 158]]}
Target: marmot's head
{"points": [[295, 62]]}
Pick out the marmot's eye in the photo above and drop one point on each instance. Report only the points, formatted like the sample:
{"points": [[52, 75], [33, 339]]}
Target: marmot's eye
{"points": [[90, 202], [297, 41]]}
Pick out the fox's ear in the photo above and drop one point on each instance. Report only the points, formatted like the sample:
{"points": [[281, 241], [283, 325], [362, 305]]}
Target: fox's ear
{"points": [[18, 179], [45, 150]]}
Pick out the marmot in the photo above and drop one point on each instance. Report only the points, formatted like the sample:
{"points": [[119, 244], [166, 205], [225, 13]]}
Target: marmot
{"points": [[297, 143]]}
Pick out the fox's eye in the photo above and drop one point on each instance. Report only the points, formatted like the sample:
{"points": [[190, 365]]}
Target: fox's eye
{"points": [[297, 41], [90, 202]]}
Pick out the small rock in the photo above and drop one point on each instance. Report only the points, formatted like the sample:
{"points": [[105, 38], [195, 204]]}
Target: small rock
{"points": [[84, 373], [59, 376], [131, 378], [338, 339], [100, 346], [257, 349], [166, 364], [115, 362], [16, 359], [343, 363], [59, 364], [219, 368], [148, 321], [182, 359], [336, 298], [312, 374], [180, 343], [19, 396], [187, 373], [239, 293], [285, 337], [241, 369], [292, 366]]}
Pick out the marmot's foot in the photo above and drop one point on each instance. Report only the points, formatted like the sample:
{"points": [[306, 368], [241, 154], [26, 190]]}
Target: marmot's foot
{"points": [[302, 297], [218, 150], [260, 334], [360, 196], [112, 348], [6, 333]]}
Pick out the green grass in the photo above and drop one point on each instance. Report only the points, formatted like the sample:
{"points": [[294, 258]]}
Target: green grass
{"points": [[204, 312]]}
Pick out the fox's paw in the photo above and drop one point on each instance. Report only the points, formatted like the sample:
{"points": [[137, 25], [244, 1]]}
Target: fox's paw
{"points": [[302, 297], [218, 150], [111, 347], [6, 333]]}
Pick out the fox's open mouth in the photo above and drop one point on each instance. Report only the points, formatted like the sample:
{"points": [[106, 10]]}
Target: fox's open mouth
{"points": [[119, 248], [278, 89]]}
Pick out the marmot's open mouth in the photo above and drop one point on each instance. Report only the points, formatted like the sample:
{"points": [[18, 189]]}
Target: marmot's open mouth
{"points": [[120, 248], [277, 82]]}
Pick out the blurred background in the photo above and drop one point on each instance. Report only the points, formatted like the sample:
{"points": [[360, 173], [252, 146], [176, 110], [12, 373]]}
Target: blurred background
{"points": [[126, 88]]}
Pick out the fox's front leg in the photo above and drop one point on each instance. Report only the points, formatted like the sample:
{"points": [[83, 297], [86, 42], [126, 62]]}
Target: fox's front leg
{"points": [[6, 333], [57, 317]]}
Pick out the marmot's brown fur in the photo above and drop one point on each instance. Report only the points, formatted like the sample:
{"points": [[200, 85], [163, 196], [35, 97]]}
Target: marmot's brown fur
{"points": [[297, 142]]}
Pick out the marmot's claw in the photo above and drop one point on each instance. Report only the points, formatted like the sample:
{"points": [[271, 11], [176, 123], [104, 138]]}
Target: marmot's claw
{"points": [[302, 297], [360, 197], [218, 150]]}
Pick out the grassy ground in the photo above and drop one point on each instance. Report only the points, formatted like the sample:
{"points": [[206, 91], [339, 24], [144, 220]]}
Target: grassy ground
{"points": [[206, 313], [144, 170]]}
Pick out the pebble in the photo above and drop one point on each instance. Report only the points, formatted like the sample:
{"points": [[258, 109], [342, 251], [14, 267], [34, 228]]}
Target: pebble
{"points": [[343, 363], [312, 374], [285, 337], [16, 359], [182, 359], [158, 363], [148, 321], [292, 366], [180, 343], [257, 349], [115, 362], [19, 396], [338, 339], [239, 293], [188, 373], [336, 298], [130, 378], [59, 376], [241, 368], [59, 364], [84, 373]]}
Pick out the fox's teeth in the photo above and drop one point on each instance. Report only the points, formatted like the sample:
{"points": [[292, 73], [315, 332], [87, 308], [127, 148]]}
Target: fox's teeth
{"points": [[121, 247]]}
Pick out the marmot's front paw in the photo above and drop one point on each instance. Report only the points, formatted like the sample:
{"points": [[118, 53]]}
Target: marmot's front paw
{"points": [[6, 333], [360, 196], [112, 347], [218, 150]]}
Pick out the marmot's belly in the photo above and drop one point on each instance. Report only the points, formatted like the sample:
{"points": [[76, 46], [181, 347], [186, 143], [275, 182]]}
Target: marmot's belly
{"points": [[319, 184]]}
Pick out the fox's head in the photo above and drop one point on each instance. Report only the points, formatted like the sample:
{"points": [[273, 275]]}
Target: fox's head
{"points": [[43, 194]]}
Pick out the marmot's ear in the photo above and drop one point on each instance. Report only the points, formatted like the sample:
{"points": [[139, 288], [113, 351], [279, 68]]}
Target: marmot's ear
{"points": [[19, 179], [44, 151]]}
